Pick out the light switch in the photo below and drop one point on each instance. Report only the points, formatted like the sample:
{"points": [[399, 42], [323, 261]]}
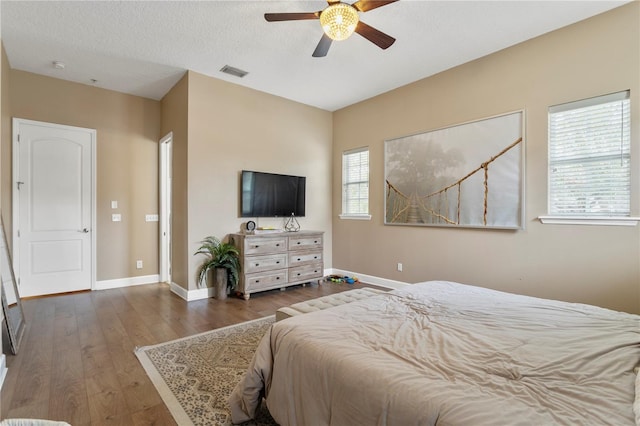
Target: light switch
{"points": [[116, 217], [114, 204]]}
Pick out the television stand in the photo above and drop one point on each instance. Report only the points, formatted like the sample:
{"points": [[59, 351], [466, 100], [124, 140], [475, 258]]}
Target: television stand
{"points": [[278, 260]]}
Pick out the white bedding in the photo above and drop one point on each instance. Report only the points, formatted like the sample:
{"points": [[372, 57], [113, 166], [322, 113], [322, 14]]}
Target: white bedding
{"points": [[447, 354]]}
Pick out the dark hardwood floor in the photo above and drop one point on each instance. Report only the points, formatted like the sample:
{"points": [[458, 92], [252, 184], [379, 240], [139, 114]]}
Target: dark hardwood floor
{"points": [[76, 361]]}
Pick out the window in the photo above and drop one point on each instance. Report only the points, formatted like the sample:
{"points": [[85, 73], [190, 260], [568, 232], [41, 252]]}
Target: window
{"points": [[355, 184], [589, 158]]}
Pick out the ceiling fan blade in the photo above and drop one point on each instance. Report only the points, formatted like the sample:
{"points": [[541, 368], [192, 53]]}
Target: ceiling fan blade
{"points": [[366, 5], [323, 47], [376, 37], [275, 17]]}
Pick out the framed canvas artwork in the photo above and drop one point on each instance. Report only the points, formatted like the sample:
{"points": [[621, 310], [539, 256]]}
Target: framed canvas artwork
{"points": [[467, 175]]}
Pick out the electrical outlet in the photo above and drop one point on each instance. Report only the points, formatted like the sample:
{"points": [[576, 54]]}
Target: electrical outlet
{"points": [[139, 264], [399, 267]]}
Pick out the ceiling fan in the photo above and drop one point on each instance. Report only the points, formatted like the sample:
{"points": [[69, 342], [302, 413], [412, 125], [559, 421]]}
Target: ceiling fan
{"points": [[339, 20]]}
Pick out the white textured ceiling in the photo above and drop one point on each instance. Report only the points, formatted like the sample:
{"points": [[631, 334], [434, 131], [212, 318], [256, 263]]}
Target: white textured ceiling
{"points": [[144, 47]]}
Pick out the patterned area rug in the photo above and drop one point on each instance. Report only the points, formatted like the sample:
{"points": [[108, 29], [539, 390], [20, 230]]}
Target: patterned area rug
{"points": [[195, 375]]}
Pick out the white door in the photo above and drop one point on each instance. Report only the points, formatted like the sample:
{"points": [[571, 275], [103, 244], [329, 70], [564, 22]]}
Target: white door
{"points": [[53, 207], [166, 152]]}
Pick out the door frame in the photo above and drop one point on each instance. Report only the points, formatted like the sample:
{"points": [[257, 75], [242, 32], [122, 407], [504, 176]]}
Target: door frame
{"points": [[16, 122], [165, 156]]}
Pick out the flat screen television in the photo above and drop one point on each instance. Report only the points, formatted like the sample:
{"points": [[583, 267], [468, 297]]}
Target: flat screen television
{"points": [[272, 195]]}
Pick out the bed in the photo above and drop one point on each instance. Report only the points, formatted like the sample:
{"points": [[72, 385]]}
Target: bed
{"points": [[442, 353]]}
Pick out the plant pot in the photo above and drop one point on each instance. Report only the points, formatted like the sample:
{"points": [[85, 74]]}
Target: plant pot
{"points": [[220, 284]]}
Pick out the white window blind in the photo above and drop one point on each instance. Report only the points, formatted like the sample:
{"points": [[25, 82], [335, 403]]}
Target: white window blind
{"points": [[355, 182], [589, 157]]}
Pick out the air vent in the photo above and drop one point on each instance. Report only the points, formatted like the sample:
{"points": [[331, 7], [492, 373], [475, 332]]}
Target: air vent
{"points": [[233, 71]]}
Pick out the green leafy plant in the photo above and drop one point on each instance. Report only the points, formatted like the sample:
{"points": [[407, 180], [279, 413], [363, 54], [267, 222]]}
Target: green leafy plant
{"points": [[219, 255]]}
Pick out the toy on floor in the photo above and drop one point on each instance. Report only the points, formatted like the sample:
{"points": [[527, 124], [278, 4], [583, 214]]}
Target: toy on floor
{"points": [[341, 279]]}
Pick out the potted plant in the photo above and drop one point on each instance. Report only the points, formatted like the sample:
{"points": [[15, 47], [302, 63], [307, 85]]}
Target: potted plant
{"points": [[224, 259]]}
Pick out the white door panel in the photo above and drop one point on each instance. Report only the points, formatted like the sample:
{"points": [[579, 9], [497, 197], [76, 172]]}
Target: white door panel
{"points": [[56, 185], [56, 256], [55, 217]]}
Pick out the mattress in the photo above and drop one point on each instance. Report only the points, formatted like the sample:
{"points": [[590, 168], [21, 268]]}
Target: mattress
{"points": [[442, 353]]}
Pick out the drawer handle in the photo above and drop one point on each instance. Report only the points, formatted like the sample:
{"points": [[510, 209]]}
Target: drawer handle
{"points": [[278, 245], [257, 246], [315, 242], [315, 257], [257, 264], [257, 281], [298, 273], [277, 278], [277, 261], [298, 243], [298, 259]]}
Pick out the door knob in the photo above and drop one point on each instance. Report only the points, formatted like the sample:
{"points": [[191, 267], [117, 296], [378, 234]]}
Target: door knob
{"points": [[84, 231]]}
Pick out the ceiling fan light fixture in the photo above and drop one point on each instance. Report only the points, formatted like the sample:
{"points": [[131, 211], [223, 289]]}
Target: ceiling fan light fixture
{"points": [[339, 21]]}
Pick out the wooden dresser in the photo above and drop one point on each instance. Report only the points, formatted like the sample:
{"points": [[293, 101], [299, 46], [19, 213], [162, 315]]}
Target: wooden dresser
{"points": [[278, 259]]}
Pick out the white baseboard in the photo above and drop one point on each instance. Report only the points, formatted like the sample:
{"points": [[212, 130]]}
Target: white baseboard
{"points": [[127, 282], [369, 279], [178, 290], [189, 295], [3, 369], [207, 292]]}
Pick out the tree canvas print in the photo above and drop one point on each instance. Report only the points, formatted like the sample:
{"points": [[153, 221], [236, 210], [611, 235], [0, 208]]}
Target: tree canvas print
{"points": [[468, 175]]}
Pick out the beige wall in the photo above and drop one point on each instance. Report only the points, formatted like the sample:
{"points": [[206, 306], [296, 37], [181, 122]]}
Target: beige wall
{"points": [[175, 120], [218, 129], [221, 128], [5, 148], [128, 130], [233, 128], [592, 264]]}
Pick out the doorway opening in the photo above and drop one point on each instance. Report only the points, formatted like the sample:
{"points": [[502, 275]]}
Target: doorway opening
{"points": [[166, 153]]}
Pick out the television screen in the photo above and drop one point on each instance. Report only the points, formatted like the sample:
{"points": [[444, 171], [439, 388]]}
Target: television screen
{"points": [[272, 195]]}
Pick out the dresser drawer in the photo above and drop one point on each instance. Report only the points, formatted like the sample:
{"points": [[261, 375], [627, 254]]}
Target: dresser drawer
{"points": [[265, 263], [304, 257], [303, 242], [306, 272], [259, 281], [265, 245]]}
